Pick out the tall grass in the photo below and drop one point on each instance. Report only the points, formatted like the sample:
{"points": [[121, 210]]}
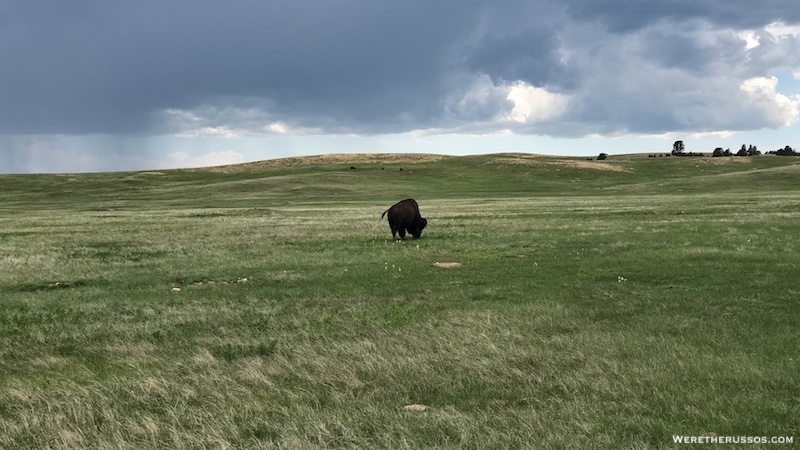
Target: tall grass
{"points": [[193, 310]]}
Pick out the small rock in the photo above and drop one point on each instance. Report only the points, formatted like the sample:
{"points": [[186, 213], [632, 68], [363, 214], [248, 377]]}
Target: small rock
{"points": [[447, 265], [175, 289], [415, 407]]}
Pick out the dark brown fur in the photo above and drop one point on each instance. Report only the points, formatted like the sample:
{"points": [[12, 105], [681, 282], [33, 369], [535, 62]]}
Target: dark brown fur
{"points": [[404, 217]]}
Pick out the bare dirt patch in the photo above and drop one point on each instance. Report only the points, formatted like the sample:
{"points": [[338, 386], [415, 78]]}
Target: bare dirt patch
{"points": [[447, 265], [377, 158], [728, 160], [149, 174], [592, 165], [518, 158], [540, 160]]}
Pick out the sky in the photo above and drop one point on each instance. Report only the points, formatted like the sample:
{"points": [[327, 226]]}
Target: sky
{"points": [[103, 85]]}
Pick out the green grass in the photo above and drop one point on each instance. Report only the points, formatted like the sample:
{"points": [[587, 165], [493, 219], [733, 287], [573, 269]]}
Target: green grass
{"points": [[598, 305]]}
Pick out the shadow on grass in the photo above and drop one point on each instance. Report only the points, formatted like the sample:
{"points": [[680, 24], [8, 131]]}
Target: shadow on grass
{"points": [[52, 285]]}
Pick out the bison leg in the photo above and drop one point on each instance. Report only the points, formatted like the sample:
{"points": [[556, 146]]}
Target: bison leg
{"points": [[402, 232], [394, 229]]}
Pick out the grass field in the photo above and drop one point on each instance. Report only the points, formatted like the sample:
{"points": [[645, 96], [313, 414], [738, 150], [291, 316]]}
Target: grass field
{"points": [[597, 304]]}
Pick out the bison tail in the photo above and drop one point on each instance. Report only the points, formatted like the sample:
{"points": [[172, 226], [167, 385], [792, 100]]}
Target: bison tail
{"points": [[384, 213]]}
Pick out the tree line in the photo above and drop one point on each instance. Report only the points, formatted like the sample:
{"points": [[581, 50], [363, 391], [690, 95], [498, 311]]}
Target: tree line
{"points": [[678, 149]]}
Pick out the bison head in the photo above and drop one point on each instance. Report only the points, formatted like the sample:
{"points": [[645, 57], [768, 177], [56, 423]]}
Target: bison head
{"points": [[417, 231]]}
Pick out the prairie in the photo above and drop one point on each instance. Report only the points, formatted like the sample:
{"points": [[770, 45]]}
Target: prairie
{"points": [[609, 304]]}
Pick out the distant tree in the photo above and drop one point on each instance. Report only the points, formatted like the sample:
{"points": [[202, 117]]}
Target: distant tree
{"points": [[718, 152], [786, 151], [742, 151], [727, 152], [602, 156], [678, 148], [753, 151]]}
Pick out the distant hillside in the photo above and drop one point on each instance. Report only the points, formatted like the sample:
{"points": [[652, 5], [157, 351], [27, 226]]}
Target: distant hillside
{"points": [[382, 178]]}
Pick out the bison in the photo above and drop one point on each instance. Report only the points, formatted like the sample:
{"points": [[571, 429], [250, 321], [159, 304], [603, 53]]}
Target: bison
{"points": [[404, 216]]}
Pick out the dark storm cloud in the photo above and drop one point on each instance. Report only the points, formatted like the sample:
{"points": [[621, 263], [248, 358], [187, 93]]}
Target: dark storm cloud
{"points": [[366, 67], [104, 66], [631, 15], [532, 55]]}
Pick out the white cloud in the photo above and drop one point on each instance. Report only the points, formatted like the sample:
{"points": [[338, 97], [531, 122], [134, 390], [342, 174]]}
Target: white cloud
{"points": [[783, 110], [532, 104], [750, 38], [212, 121], [671, 136], [181, 115], [230, 122], [277, 128], [491, 107], [780, 29], [220, 131]]}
